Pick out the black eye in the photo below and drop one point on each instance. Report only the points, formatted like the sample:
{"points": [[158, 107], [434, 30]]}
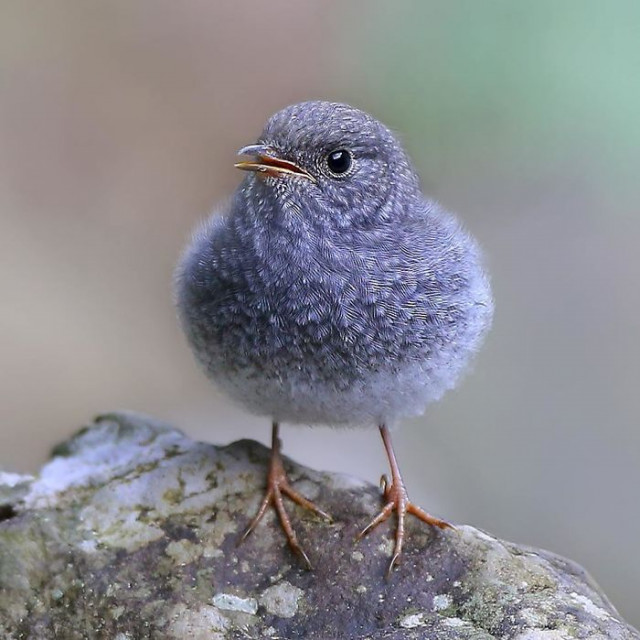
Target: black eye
{"points": [[339, 161]]}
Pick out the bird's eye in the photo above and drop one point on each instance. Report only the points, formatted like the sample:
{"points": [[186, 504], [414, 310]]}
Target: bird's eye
{"points": [[339, 161]]}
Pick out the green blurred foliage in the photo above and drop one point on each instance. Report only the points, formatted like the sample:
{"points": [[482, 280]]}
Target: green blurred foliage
{"points": [[509, 84]]}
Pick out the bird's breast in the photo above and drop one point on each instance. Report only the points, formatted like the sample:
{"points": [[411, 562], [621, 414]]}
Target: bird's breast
{"points": [[317, 308]]}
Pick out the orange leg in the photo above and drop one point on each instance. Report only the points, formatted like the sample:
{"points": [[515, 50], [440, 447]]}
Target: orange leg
{"points": [[397, 499], [277, 485]]}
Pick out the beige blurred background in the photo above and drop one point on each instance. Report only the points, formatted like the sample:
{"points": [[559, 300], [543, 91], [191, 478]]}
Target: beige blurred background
{"points": [[119, 122]]}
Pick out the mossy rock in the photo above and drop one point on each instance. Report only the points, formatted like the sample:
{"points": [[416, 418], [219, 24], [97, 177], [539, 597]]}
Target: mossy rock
{"points": [[131, 531]]}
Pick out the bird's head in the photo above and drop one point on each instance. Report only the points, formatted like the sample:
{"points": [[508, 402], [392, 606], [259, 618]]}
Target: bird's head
{"points": [[332, 162]]}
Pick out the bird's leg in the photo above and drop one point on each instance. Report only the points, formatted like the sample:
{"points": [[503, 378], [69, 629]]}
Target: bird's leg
{"points": [[397, 499], [277, 485]]}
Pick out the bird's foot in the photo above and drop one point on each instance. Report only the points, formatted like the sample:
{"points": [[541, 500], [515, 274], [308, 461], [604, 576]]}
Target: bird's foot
{"points": [[277, 486], [397, 499]]}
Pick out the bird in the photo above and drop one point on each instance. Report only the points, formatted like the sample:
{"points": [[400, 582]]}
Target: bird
{"points": [[329, 290]]}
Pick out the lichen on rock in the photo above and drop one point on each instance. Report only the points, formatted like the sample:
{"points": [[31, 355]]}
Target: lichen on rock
{"points": [[130, 532]]}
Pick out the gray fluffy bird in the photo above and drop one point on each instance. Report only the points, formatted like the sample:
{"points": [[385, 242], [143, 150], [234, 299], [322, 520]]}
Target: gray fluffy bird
{"points": [[329, 290]]}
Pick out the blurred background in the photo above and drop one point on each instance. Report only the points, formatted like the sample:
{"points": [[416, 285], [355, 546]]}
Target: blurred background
{"points": [[119, 124]]}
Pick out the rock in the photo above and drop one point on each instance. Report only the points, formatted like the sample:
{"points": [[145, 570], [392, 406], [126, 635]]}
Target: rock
{"points": [[130, 532]]}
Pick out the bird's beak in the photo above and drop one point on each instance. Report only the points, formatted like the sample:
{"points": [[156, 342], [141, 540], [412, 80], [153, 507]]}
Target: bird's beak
{"points": [[267, 163]]}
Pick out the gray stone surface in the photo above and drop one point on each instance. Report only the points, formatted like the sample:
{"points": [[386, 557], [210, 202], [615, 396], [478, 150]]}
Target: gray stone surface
{"points": [[130, 532]]}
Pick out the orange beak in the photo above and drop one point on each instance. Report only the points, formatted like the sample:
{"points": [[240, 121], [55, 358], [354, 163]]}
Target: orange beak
{"points": [[267, 163]]}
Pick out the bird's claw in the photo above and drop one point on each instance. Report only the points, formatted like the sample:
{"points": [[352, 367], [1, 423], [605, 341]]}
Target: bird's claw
{"points": [[397, 500], [277, 487]]}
